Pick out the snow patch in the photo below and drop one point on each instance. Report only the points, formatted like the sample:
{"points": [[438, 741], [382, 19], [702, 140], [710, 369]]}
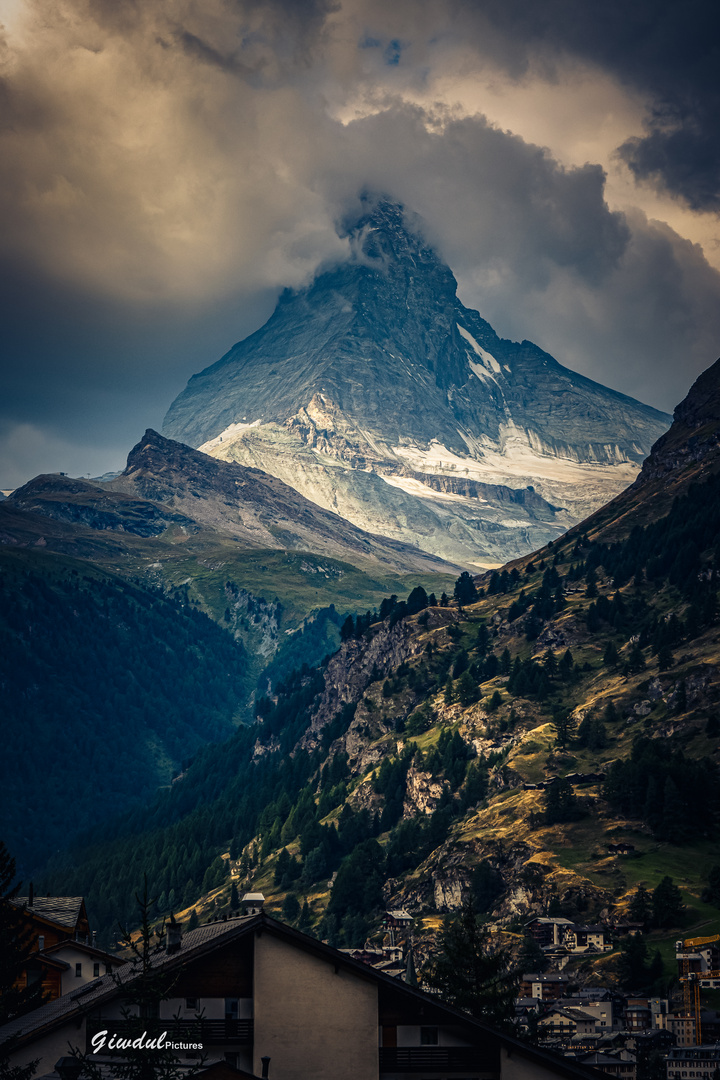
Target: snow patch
{"points": [[487, 358], [227, 435], [518, 460], [481, 373], [416, 487]]}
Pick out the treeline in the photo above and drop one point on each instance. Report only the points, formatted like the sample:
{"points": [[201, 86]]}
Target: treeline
{"points": [[672, 549], [390, 608], [676, 796], [103, 684]]}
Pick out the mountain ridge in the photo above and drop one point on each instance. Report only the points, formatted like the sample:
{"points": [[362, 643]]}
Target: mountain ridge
{"points": [[169, 485], [376, 376]]}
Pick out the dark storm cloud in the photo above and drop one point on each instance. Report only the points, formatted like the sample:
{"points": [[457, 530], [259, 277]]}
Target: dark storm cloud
{"points": [[538, 252], [665, 49], [167, 167]]}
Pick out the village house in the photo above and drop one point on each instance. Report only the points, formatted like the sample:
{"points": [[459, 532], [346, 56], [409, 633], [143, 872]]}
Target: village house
{"points": [[256, 993], [682, 1027], [568, 936], [548, 931], [620, 1063], [695, 1062], [64, 956], [544, 987], [621, 849]]}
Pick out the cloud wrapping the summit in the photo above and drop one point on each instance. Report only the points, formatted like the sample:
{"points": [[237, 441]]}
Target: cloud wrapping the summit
{"points": [[174, 164]]}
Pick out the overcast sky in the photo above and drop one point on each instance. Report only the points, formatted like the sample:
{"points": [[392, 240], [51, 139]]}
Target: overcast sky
{"points": [[167, 166]]}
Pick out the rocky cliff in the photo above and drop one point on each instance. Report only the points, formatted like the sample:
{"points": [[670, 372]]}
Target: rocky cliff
{"points": [[378, 394]]}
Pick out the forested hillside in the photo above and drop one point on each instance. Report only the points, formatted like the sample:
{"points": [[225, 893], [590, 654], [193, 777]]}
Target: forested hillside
{"points": [[462, 745], [106, 688]]}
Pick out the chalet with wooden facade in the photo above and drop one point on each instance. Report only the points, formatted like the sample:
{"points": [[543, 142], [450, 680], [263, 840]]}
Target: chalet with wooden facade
{"points": [[63, 956]]}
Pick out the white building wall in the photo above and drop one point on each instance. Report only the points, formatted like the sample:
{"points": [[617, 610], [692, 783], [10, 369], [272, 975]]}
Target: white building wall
{"points": [[312, 1019]]}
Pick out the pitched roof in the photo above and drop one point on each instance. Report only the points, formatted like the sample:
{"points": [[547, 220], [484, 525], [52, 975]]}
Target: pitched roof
{"points": [[205, 939], [64, 910], [89, 950], [89, 995]]}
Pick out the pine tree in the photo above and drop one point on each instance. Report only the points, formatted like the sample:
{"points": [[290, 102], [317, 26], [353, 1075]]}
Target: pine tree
{"points": [[611, 656], [305, 920], [665, 658], [16, 944], [550, 664], [465, 591], [667, 904], [560, 803], [468, 975], [290, 908], [564, 726], [467, 690], [633, 970], [636, 660], [711, 894], [641, 906], [673, 824]]}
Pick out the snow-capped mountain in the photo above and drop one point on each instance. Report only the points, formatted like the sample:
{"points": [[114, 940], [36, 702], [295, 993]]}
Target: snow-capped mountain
{"points": [[377, 394]]}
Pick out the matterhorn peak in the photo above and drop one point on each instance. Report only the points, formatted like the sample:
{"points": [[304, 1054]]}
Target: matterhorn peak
{"points": [[379, 395]]}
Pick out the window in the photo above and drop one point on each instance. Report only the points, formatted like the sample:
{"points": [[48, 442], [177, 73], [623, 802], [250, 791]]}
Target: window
{"points": [[231, 1008], [96, 971], [428, 1036], [232, 1059], [191, 1003], [78, 971]]}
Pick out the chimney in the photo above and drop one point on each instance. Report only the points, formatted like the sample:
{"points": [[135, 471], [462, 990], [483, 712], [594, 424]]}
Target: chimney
{"points": [[31, 894], [252, 903], [265, 1066], [94, 937], [174, 936]]}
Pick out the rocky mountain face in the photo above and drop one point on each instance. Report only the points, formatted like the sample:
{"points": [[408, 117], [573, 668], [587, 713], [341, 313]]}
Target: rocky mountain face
{"points": [[691, 446], [167, 485], [379, 395], [688, 453]]}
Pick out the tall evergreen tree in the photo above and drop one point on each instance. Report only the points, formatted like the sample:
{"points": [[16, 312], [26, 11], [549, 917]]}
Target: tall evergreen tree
{"points": [[667, 903], [469, 974], [465, 591], [16, 945], [641, 906]]}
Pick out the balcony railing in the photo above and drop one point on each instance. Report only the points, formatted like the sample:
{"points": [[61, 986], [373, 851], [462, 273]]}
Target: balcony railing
{"points": [[448, 1058], [207, 1032]]}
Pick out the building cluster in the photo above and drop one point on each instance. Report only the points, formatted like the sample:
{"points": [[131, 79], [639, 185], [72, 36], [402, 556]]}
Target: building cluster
{"points": [[248, 994], [249, 997], [622, 1035]]}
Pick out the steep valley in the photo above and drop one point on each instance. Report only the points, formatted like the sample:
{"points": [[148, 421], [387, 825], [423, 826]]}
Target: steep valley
{"points": [[496, 743]]}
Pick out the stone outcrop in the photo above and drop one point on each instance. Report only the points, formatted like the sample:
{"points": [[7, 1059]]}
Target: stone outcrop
{"points": [[422, 793]]}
